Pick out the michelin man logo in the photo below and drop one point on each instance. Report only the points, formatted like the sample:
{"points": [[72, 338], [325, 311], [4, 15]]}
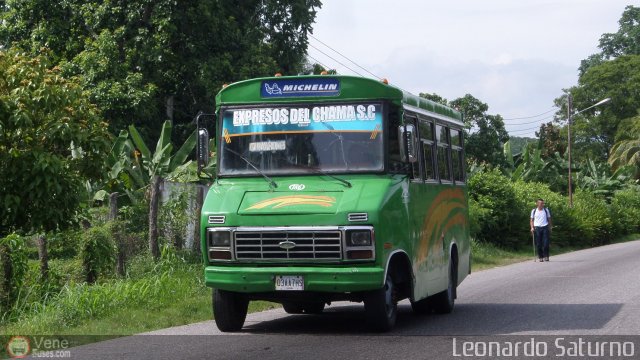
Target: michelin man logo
{"points": [[273, 90]]}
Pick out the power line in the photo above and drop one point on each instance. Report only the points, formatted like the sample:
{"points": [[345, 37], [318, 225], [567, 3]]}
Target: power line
{"points": [[531, 122], [339, 53], [378, 77], [524, 130], [318, 62], [533, 116], [332, 58]]}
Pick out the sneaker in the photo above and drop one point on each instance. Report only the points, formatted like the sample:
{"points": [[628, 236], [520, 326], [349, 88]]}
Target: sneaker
{"points": [[546, 259], [541, 260]]}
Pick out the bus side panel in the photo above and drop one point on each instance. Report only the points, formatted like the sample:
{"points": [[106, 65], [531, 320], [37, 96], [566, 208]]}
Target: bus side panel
{"points": [[464, 243], [441, 218]]}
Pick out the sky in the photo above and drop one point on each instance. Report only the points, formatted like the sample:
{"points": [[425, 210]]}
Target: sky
{"points": [[514, 55]]}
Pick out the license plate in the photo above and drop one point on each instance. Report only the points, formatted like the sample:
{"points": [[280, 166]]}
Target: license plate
{"points": [[289, 283]]}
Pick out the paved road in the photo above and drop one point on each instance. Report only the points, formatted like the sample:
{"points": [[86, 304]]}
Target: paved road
{"points": [[588, 292]]}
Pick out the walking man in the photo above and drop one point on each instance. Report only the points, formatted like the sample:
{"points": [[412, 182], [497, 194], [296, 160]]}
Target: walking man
{"points": [[541, 228]]}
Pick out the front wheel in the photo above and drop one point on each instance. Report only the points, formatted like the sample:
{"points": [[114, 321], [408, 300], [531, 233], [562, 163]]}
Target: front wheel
{"points": [[381, 307], [229, 310]]}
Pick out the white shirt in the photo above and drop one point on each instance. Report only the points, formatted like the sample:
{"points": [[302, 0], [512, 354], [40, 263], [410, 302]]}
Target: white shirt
{"points": [[540, 217]]}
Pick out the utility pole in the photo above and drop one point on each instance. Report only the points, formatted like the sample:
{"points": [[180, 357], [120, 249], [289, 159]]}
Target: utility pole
{"points": [[569, 106], [570, 116]]}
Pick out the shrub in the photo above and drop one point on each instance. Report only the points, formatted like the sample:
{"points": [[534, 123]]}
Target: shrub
{"points": [[63, 244], [13, 264], [492, 203], [593, 214], [625, 210], [97, 252]]}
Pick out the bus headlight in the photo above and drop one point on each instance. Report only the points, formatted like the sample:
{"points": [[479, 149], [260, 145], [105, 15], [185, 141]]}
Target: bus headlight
{"points": [[359, 238], [220, 238], [219, 244]]}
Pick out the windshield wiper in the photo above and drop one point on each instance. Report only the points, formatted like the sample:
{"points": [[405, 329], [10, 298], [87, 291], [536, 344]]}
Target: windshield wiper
{"points": [[346, 182], [320, 171], [268, 179]]}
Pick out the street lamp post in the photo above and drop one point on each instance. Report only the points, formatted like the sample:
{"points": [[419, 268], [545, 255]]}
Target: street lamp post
{"points": [[570, 117]]}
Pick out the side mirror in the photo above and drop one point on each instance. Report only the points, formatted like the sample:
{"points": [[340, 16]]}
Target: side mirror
{"points": [[408, 143], [202, 149]]}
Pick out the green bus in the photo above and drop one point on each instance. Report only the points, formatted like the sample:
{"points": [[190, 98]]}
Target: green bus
{"points": [[333, 188]]}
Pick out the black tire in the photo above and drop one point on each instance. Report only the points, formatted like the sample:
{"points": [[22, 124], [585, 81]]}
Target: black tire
{"points": [[303, 308], [229, 310], [443, 302], [381, 307]]}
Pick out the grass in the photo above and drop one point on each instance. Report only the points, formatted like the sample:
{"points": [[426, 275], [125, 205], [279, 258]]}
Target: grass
{"points": [[172, 290], [135, 320], [486, 256]]}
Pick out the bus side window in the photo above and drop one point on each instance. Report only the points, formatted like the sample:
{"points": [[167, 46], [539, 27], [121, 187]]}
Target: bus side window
{"points": [[396, 165], [415, 167], [442, 137], [457, 155], [428, 149]]}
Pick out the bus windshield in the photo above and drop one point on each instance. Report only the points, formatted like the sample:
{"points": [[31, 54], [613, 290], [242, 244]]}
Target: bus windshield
{"points": [[298, 139]]}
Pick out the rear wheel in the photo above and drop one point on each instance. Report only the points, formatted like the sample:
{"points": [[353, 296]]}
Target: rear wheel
{"points": [[381, 307], [443, 302], [229, 310]]}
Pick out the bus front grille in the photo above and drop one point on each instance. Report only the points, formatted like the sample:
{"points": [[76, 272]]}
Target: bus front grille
{"points": [[288, 245]]}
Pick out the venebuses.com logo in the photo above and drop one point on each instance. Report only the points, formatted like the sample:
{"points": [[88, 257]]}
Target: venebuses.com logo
{"points": [[18, 347]]}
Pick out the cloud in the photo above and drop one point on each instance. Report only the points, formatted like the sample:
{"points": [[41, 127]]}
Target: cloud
{"points": [[515, 56], [517, 88]]}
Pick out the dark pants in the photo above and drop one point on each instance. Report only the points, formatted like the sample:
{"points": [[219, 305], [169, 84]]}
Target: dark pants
{"points": [[542, 241]]}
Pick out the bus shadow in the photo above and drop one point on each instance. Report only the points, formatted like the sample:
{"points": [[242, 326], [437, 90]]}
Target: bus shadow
{"points": [[467, 319]]}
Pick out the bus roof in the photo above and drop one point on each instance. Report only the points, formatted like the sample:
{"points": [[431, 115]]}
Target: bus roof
{"points": [[350, 88]]}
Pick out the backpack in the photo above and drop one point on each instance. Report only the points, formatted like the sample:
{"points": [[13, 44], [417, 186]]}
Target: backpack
{"points": [[545, 210]]}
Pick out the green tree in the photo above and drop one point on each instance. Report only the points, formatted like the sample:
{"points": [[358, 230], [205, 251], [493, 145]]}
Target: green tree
{"points": [[612, 72], [518, 144], [626, 151], [550, 141], [486, 135], [52, 141], [146, 61], [594, 131], [626, 41], [435, 98]]}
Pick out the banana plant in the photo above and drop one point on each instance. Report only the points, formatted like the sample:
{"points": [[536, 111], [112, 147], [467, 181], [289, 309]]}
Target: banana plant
{"points": [[531, 166], [131, 165], [118, 163], [162, 162], [598, 178]]}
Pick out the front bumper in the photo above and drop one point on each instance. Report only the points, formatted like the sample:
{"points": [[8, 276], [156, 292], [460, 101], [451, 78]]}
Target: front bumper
{"points": [[320, 279]]}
